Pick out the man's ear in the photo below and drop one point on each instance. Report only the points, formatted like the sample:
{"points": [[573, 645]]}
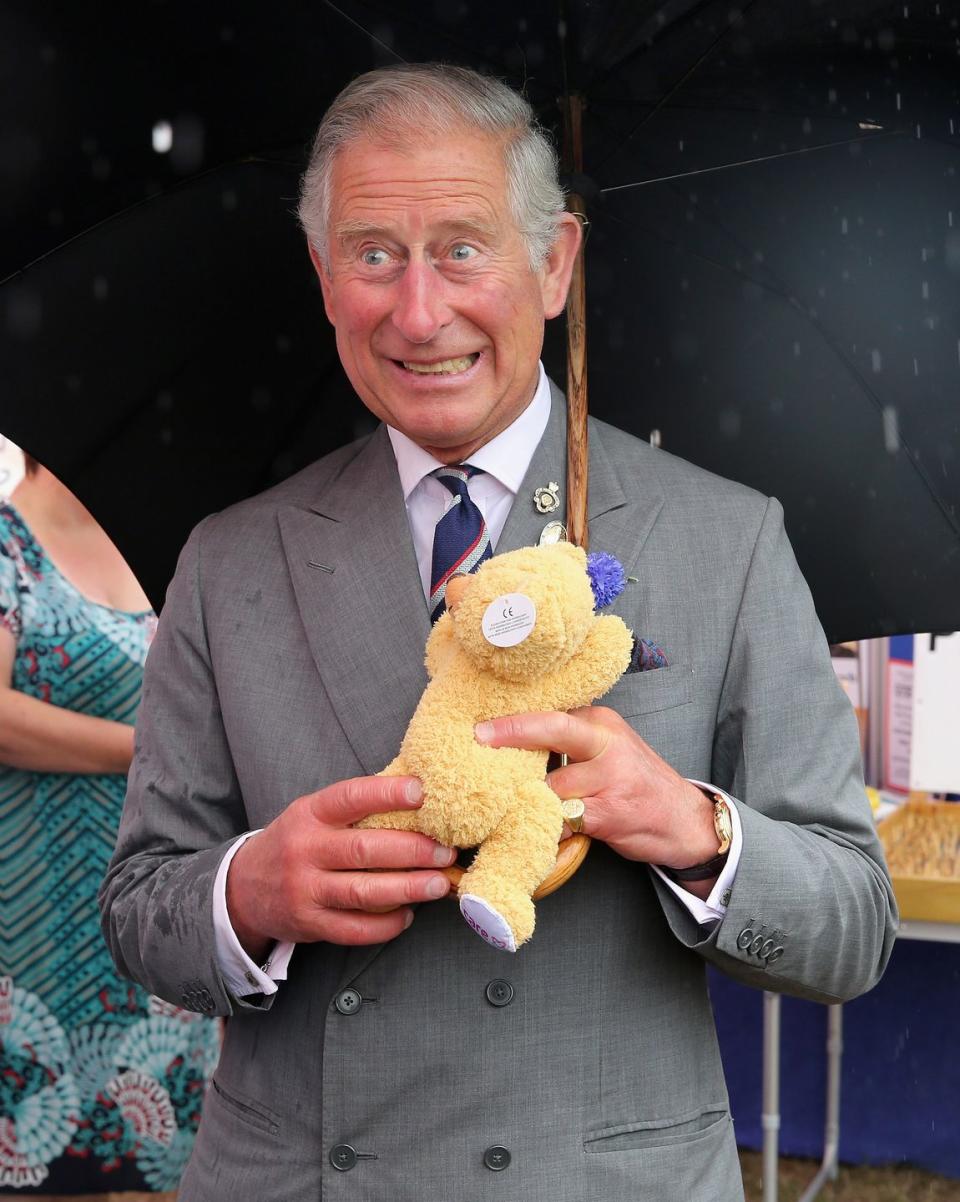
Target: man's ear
{"points": [[557, 269], [325, 285]]}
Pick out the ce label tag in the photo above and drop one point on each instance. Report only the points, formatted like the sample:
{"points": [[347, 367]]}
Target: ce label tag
{"points": [[509, 619]]}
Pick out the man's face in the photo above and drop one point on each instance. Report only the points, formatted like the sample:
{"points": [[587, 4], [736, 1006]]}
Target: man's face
{"points": [[438, 313]]}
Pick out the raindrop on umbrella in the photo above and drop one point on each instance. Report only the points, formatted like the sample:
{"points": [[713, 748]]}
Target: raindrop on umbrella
{"points": [[162, 137]]}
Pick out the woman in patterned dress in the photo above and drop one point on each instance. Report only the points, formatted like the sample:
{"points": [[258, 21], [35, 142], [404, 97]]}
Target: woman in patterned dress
{"points": [[100, 1084]]}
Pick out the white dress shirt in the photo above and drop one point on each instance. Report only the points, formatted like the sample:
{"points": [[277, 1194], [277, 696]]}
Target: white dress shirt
{"points": [[504, 462]]}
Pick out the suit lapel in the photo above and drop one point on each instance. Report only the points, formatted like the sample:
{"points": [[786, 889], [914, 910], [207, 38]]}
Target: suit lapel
{"points": [[358, 590], [621, 513]]}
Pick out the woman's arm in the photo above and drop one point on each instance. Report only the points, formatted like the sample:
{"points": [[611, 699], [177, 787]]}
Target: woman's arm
{"points": [[40, 737]]}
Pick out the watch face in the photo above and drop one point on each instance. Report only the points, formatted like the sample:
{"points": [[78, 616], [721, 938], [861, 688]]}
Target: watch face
{"points": [[722, 822]]}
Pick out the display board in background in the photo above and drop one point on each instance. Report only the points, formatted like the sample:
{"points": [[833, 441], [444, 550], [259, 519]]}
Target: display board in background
{"points": [[934, 746], [898, 714]]}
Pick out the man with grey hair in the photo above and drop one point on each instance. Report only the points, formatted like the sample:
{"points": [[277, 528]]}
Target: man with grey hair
{"points": [[376, 1048]]}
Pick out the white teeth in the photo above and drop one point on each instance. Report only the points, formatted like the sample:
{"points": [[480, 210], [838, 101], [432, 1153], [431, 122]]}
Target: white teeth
{"points": [[446, 367]]}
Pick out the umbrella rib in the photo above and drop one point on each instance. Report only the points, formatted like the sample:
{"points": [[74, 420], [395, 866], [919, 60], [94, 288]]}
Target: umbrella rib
{"points": [[181, 185], [741, 14], [766, 158], [356, 24]]}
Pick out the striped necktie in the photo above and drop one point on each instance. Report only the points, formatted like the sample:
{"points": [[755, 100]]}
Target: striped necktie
{"points": [[460, 542]]}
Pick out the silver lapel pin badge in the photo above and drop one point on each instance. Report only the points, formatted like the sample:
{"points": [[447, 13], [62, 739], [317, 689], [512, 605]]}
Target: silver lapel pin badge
{"points": [[553, 532], [547, 499]]}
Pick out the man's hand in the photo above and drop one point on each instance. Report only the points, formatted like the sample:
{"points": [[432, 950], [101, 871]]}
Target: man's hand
{"points": [[634, 800], [305, 877]]}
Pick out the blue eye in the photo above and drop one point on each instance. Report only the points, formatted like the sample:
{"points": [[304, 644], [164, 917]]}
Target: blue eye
{"points": [[374, 258], [462, 251]]}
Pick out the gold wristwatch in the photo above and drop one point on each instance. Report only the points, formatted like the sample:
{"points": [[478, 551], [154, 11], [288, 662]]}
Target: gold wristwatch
{"points": [[723, 825], [722, 822]]}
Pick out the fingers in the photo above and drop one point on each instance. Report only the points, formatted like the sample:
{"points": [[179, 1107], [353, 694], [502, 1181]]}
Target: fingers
{"points": [[586, 828], [369, 892], [577, 735], [576, 780], [354, 928], [348, 801], [364, 849]]}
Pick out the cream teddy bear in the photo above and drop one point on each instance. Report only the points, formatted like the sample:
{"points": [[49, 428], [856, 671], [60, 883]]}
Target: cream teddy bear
{"points": [[519, 635]]}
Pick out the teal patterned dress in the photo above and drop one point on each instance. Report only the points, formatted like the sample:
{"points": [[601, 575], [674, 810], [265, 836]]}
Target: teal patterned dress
{"points": [[101, 1084]]}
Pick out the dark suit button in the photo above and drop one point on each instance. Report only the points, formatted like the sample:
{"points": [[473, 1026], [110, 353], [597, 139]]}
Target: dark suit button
{"points": [[775, 955], [496, 1158], [766, 949], [343, 1158], [756, 945], [348, 1001], [744, 938], [499, 992]]}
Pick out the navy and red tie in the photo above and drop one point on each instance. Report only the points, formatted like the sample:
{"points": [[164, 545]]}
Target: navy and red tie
{"points": [[460, 542]]}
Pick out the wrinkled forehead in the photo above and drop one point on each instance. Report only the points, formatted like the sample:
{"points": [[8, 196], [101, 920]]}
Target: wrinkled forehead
{"points": [[453, 144], [457, 173], [412, 129]]}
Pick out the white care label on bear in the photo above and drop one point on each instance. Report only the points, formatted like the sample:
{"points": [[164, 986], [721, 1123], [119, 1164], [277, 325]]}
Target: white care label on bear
{"points": [[509, 620]]}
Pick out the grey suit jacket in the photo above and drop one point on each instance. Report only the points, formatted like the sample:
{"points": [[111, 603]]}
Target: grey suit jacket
{"points": [[290, 655]]}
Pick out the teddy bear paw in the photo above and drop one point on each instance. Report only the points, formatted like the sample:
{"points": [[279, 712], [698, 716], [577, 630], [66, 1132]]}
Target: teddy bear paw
{"points": [[487, 922]]}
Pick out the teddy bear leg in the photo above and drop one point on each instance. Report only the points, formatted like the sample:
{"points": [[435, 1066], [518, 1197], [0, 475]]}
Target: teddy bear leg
{"points": [[495, 892]]}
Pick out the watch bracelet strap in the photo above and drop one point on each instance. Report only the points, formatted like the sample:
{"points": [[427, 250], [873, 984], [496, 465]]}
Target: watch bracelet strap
{"points": [[699, 872]]}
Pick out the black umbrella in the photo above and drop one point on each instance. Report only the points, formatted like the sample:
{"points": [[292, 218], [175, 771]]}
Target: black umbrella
{"points": [[170, 360], [790, 321]]}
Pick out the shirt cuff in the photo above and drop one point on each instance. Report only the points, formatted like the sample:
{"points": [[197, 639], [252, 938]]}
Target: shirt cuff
{"points": [[711, 910], [241, 975]]}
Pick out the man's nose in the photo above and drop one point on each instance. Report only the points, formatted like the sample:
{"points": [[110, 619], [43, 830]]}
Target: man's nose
{"points": [[421, 310]]}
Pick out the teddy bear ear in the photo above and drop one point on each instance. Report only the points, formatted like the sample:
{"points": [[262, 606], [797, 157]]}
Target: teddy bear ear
{"points": [[607, 578]]}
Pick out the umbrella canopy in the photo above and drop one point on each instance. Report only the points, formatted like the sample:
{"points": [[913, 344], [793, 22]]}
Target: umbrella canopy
{"points": [[772, 263]]}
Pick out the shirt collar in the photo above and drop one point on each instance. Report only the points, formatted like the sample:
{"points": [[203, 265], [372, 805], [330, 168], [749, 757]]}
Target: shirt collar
{"points": [[505, 457]]}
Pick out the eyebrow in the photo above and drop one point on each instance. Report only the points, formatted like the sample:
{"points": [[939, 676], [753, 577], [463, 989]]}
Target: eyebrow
{"points": [[354, 231]]}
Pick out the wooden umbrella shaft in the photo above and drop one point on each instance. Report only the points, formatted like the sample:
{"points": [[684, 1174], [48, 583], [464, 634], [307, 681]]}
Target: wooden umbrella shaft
{"points": [[577, 447]]}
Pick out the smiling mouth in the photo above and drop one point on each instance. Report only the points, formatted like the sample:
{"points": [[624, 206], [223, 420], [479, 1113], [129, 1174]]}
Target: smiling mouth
{"points": [[442, 367]]}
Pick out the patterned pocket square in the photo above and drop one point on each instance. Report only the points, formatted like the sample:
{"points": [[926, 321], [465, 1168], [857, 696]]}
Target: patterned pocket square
{"points": [[646, 656]]}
